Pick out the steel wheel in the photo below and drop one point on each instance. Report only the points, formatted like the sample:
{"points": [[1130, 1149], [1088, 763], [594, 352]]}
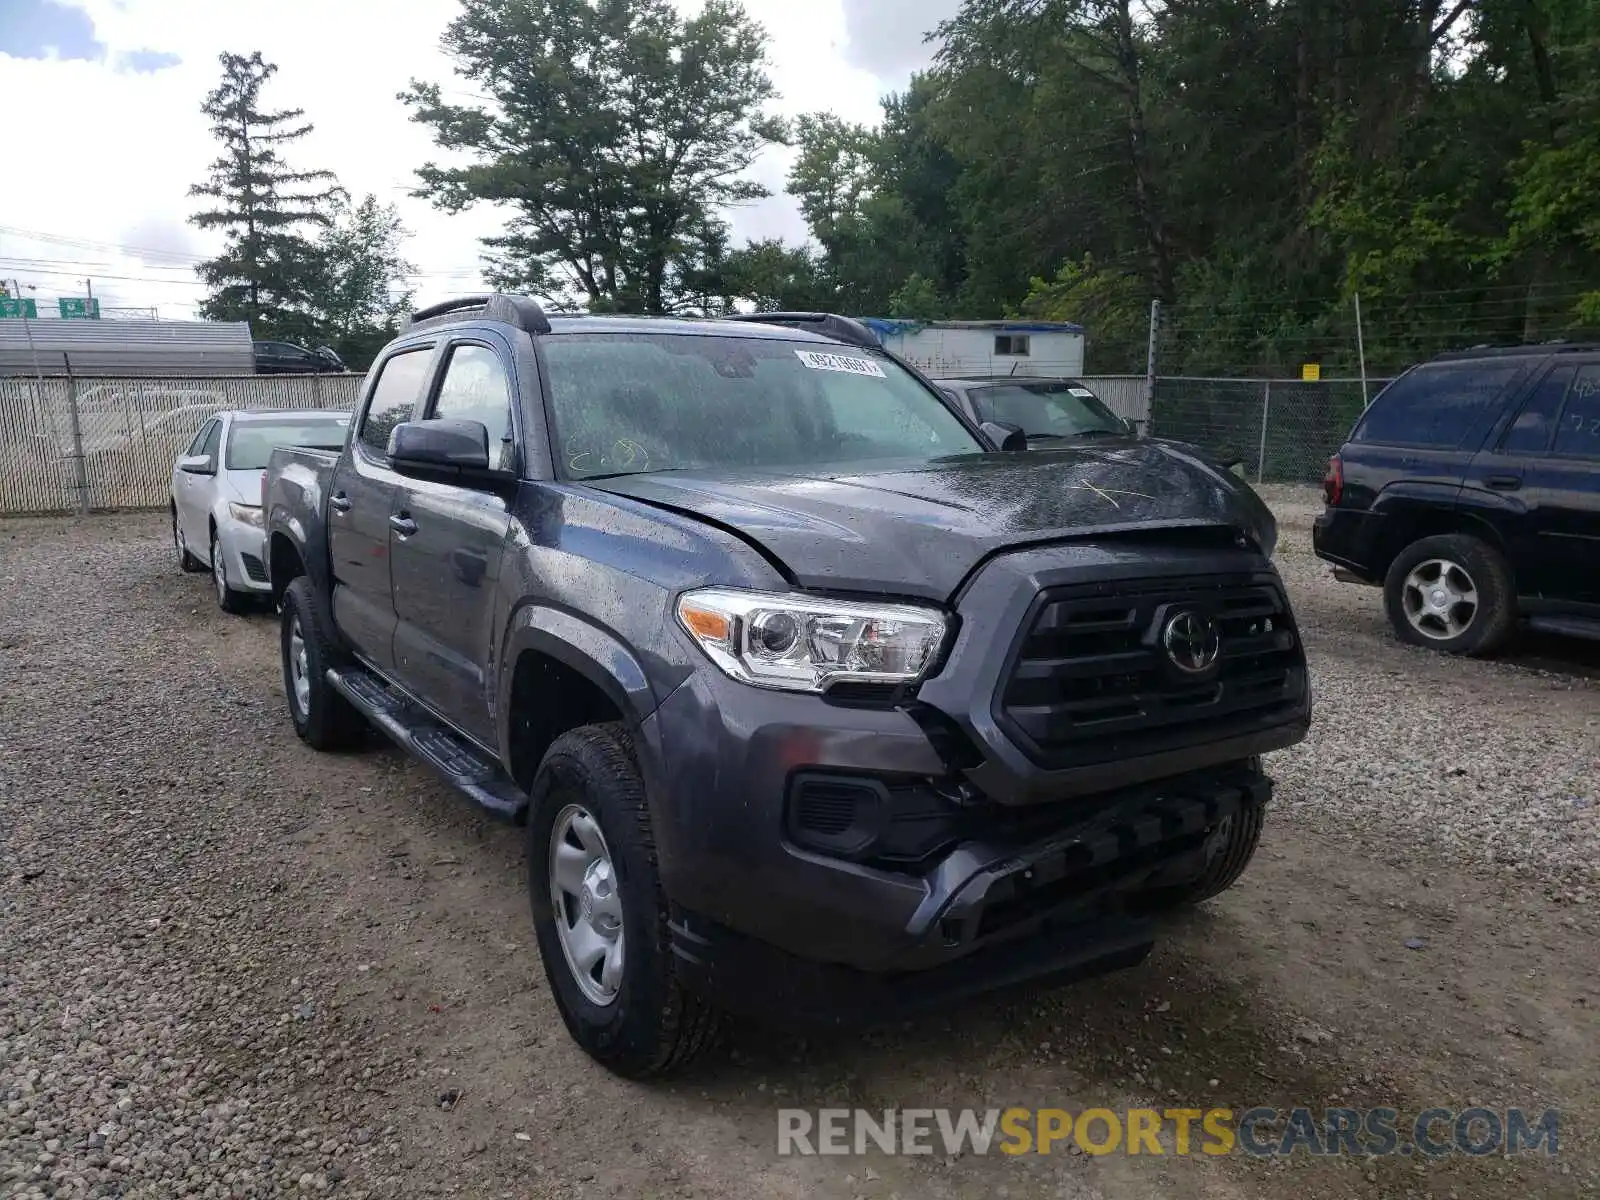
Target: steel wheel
{"points": [[1440, 599], [299, 670], [588, 908]]}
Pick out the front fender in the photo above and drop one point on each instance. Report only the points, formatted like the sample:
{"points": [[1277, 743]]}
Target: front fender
{"points": [[591, 650]]}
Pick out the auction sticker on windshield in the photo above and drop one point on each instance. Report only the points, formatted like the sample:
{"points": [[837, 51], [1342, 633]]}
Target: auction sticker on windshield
{"points": [[1085, 393], [819, 361]]}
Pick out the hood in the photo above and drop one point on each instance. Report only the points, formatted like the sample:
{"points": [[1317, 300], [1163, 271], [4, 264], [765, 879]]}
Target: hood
{"points": [[920, 532], [242, 487]]}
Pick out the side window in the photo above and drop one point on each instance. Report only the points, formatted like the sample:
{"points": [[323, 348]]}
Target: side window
{"points": [[476, 388], [213, 441], [1530, 432], [198, 446], [1435, 405], [394, 397], [1011, 345], [1578, 434]]}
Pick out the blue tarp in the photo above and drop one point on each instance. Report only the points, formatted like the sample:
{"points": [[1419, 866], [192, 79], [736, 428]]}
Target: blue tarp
{"points": [[895, 326]]}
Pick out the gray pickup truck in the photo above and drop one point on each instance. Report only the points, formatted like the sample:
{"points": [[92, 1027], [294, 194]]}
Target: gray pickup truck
{"points": [[818, 701]]}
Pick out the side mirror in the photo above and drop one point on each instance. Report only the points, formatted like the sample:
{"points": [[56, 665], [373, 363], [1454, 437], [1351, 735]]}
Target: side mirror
{"points": [[442, 445], [1004, 436], [196, 464]]}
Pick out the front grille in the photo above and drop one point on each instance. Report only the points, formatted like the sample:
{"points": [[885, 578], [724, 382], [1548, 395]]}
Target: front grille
{"points": [[253, 567], [1092, 680]]}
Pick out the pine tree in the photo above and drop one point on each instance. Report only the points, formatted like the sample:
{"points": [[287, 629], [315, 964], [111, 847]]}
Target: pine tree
{"points": [[266, 274]]}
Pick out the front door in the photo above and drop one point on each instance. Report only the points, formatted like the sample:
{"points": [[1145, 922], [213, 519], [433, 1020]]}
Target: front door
{"points": [[360, 502], [446, 550], [196, 492]]}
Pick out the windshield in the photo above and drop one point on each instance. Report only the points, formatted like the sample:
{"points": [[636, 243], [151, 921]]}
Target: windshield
{"points": [[251, 443], [1046, 409], [623, 404]]}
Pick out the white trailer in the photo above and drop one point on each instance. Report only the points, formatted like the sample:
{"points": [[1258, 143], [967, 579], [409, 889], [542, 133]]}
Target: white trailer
{"points": [[950, 348]]}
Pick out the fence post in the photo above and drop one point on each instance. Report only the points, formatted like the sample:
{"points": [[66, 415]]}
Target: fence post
{"points": [[1266, 410], [316, 388], [1150, 361], [80, 467]]}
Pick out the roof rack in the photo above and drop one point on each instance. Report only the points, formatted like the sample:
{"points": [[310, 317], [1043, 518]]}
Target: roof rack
{"points": [[843, 329], [522, 311], [1488, 351]]}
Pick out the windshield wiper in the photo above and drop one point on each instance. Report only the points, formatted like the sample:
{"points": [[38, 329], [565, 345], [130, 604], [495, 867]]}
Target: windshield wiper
{"points": [[1065, 437]]}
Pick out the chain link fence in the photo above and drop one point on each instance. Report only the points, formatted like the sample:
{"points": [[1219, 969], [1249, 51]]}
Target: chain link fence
{"points": [[1282, 430], [82, 444]]}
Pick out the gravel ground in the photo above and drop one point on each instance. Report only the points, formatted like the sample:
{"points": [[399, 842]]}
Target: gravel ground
{"points": [[229, 967]]}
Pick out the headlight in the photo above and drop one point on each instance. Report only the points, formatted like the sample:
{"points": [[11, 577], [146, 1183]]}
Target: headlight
{"points": [[802, 644], [243, 512]]}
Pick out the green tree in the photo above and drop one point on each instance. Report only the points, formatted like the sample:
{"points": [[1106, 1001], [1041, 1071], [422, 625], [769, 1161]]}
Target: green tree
{"points": [[777, 278], [266, 273], [614, 131], [361, 291]]}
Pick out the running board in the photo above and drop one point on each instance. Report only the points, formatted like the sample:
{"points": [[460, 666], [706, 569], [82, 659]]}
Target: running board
{"points": [[1578, 627], [414, 729]]}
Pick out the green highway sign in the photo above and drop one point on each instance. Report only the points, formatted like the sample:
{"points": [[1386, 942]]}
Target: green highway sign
{"points": [[79, 307], [12, 307]]}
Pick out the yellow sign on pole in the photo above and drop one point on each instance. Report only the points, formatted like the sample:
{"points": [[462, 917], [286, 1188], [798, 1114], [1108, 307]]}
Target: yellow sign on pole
{"points": [[1311, 372]]}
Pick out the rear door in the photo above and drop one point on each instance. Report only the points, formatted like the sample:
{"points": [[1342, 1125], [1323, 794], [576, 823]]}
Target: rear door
{"points": [[361, 499], [1569, 488], [447, 548], [1502, 483]]}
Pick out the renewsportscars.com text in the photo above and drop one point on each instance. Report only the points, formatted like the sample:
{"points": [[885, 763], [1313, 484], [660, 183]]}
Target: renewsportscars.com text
{"points": [[1260, 1132]]}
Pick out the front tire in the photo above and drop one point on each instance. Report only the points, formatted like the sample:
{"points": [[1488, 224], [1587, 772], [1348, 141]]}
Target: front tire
{"points": [[229, 600], [322, 717], [1238, 836], [1452, 593], [187, 562], [599, 913]]}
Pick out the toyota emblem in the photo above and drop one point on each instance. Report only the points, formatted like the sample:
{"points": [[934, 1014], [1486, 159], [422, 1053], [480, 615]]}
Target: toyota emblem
{"points": [[1192, 642]]}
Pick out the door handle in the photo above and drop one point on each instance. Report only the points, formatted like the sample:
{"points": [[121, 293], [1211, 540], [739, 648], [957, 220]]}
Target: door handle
{"points": [[403, 525], [1503, 483], [339, 501]]}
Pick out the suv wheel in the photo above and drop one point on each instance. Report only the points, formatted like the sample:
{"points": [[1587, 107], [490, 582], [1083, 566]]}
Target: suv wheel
{"points": [[322, 717], [599, 912], [1452, 593]]}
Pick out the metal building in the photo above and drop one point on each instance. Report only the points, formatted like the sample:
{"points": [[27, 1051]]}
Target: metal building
{"points": [[143, 349]]}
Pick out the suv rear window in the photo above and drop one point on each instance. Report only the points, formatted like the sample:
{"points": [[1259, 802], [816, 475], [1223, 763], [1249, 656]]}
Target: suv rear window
{"points": [[1435, 405]]}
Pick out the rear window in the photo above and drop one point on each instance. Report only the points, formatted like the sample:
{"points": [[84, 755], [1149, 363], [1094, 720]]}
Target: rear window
{"points": [[1435, 405], [251, 443]]}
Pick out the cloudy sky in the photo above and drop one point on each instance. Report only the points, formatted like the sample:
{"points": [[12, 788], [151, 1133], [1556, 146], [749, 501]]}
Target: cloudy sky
{"points": [[101, 154]]}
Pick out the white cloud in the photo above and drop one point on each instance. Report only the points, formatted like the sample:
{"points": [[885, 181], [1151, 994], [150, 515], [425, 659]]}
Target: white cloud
{"points": [[117, 150]]}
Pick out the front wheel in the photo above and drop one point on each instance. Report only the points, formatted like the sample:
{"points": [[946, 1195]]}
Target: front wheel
{"points": [[599, 913], [187, 562], [228, 599], [1452, 593], [1233, 845]]}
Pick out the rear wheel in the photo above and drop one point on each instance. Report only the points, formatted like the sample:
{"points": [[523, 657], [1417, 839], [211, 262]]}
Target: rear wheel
{"points": [[1452, 593], [599, 912], [322, 717]]}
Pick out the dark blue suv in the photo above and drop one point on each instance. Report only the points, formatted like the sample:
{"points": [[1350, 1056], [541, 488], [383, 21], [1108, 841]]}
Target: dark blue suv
{"points": [[1470, 491]]}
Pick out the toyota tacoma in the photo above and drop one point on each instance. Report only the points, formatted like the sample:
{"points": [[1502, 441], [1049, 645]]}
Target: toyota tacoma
{"points": [[817, 700]]}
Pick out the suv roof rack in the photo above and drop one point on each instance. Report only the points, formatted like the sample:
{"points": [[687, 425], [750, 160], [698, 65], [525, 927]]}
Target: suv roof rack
{"points": [[521, 311], [1488, 351], [844, 329]]}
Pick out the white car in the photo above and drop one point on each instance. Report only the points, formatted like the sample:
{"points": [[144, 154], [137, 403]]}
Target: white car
{"points": [[216, 493]]}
